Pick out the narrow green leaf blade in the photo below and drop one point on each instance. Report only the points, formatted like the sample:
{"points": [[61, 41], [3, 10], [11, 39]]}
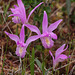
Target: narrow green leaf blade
{"points": [[48, 70], [68, 3], [39, 63], [32, 60]]}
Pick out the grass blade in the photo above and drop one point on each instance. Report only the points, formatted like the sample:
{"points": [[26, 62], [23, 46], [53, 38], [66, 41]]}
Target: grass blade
{"points": [[32, 60], [39, 63], [68, 3], [48, 70]]}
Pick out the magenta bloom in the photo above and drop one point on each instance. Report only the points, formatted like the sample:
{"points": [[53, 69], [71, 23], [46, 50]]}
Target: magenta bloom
{"points": [[47, 33], [58, 56], [19, 13], [21, 46]]}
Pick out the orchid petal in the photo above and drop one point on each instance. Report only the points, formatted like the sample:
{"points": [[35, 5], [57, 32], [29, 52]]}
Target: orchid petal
{"points": [[22, 34], [15, 15], [45, 22], [18, 15], [53, 26], [43, 42], [60, 50], [33, 28], [51, 55], [20, 4], [12, 10], [13, 37], [15, 6], [16, 10], [33, 10], [32, 38], [53, 35], [22, 9], [17, 51], [61, 58], [19, 11], [55, 63]]}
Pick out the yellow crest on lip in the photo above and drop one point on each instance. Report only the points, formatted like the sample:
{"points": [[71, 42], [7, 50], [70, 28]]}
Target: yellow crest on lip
{"points": [[47, 41], [17, 17], [20, 50]]}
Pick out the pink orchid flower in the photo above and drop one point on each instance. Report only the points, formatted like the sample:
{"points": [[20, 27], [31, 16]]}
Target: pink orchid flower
{"points": [[19, 13], [58, 56], [21, 46], [47, 32]]}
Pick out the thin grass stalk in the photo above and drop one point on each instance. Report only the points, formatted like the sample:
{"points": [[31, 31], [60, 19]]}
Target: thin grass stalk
{"points": [[43, 63], [17, 30], [24, 65], [67, 68], [4, 58], [68, 4], [20, 66]]}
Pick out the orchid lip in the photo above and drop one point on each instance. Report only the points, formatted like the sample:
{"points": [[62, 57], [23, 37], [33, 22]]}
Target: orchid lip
{"points": [[20, 50], [47, 41]]}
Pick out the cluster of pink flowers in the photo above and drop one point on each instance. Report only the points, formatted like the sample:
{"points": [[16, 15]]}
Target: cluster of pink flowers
{"points": [[46, 37]]}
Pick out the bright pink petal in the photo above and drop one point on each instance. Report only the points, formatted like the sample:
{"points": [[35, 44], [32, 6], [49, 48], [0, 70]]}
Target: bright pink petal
{"points": [[53, 26], [52, 35], [32, 38], [12, 10], [13, 37], [15, 6], [33, 28], [19, 11], [20, 4], [60, 50], [16, 10], [43, 42], [61, 58], [54, 61], [22, 9], [33, 10], [20, 16], [22, 34], [45, 22], [51, 54], [15, 15], [17, 51]]}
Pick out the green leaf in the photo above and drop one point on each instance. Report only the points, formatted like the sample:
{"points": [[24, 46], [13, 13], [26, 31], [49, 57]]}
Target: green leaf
{"points": [[32, 60], [48, 70], [72, 0], [43, 71], [68, 3], [39, 47], [6, 8], [39, 63]]}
